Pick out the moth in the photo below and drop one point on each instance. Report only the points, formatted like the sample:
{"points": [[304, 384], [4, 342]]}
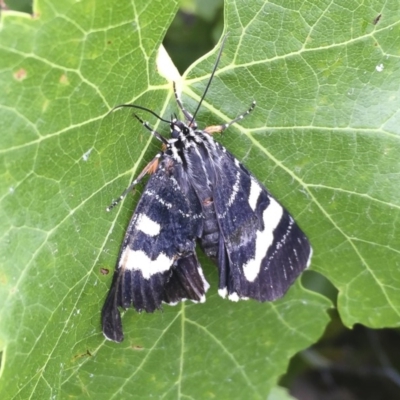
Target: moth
{"points": [[198, 192]]}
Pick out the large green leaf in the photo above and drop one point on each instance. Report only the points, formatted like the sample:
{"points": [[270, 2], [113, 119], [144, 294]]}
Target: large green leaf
{"points": [[323, 138]]}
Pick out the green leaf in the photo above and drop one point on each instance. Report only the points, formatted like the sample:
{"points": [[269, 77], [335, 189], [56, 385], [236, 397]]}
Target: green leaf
{"points": [[278, 393], [323, 139]]}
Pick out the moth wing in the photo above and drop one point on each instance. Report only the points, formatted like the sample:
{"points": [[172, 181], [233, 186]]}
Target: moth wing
{"points": [[158, 244], [186, 282], [261, 248]]}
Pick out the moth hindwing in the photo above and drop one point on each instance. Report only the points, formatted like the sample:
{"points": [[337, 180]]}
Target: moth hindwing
{"points": [[198, 192]]}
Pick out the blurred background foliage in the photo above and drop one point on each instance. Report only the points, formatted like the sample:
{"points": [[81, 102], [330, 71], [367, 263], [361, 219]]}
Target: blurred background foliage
{"points": [[357, 364]]}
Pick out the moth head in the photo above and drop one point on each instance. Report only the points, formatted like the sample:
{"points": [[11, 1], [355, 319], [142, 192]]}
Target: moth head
{"points": [[178, 128]]}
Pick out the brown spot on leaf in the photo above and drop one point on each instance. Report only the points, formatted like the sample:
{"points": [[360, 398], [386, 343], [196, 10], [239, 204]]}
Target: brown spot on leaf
{"points": [[20, 75], [87, 354], [376, 20], [64, 79]]}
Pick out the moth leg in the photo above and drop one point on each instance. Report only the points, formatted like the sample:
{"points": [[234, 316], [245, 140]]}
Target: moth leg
{"points": [[150, 168], [186, 113], [220, 128]]}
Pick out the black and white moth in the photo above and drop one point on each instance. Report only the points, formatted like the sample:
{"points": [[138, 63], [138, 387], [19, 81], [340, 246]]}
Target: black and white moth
{"points": [[198, 192]]}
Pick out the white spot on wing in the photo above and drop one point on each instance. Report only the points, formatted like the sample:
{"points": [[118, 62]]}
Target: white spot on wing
{"points": [[147, 226], [255, 190], [202, 299], [137, 260], [205, 283], [309, 258], [173, 303], [175, 154], [158, 198], [223, 292], [233, 296], [264, 239], [235, 190], [379, 67]]}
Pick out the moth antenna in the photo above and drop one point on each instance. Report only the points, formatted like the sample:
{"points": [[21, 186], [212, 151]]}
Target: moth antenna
{"points": [[211, 78], [140, 108], [220, 128], [186, 113], [146, 124]]}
